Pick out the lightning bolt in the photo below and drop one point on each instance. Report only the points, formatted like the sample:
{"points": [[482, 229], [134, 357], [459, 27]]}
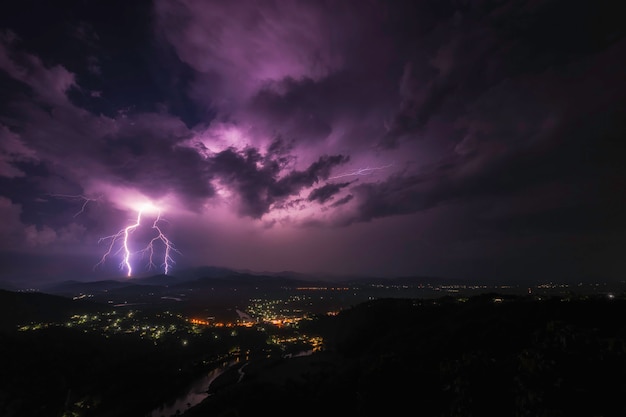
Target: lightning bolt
{"points": [[86, 200], [168, 261], [123, 237], [360, 172]]}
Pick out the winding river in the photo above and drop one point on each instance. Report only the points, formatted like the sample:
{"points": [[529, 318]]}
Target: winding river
{"points": [[197, 392]]}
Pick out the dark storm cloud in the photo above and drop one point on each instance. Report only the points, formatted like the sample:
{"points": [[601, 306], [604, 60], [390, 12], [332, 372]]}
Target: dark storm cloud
{"points": [[304, 70], [415, 111], [326, 192], [475, 47], [584, 181], [139, 150], [131, 149], [255, 177], [343, 200], [301, 109], [309, 109], [146, 151], [477, 121], [317, 171]]}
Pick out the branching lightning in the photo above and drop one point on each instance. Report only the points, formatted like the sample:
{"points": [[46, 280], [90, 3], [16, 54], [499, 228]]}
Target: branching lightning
{"points": [[167, 244], [86, 200], [121, 241], [360, 172]]}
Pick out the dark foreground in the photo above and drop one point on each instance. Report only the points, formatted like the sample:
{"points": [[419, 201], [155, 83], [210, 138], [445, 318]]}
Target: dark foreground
{"points": [[517, 357], [479, 356]]}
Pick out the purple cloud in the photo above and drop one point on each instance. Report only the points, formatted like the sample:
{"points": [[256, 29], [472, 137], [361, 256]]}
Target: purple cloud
{"points": [[295, 123]]}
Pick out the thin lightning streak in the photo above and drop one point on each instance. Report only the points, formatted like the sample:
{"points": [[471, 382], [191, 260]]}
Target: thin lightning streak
{"points": [[360, 172], [86, 200]]}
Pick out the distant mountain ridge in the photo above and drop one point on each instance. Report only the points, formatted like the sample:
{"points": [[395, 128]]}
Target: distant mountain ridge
{"points": [[219, 277]]}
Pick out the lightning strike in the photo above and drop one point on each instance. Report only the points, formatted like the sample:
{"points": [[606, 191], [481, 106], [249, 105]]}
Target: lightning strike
{"points": [[167, 244], [121, 240], [86, 200], [360, 172]]}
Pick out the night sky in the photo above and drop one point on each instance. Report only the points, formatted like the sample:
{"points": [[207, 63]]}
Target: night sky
{"points": [[459, 139]]}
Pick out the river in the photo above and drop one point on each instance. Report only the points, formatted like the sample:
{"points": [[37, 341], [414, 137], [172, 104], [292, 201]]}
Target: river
{"points": [[197, 392]]}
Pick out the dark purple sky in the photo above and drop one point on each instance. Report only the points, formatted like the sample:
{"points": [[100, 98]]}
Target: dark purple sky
{"points": [[462, 139]]}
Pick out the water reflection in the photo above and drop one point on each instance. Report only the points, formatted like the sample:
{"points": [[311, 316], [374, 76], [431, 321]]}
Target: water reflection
{"points": [[197, 392]]}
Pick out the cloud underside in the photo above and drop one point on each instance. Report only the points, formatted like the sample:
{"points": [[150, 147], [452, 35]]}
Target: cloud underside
{"points": [[457, 104]]}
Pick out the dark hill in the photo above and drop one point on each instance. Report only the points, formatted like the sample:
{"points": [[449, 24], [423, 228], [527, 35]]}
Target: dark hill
{"points": [[20, 308], [490, 355]]}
